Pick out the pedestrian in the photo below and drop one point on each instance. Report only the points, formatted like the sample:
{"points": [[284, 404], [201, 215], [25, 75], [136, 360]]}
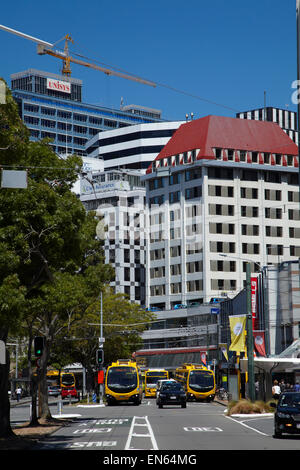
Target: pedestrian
{"points": [[275, 390], [18, 393], [256, 389], [297, 387], [282, 385]]}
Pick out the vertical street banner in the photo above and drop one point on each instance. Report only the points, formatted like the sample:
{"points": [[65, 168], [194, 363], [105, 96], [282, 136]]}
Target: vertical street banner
{"points": [[203, 357], [259, 342], [254, 284], [237, 332], [223, 347]]}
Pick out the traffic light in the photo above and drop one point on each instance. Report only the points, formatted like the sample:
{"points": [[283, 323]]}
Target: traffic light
{"points": [[38, 345], [99, 357]]}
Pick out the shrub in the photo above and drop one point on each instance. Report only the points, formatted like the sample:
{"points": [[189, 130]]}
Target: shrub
{"points": [[247, 407]]}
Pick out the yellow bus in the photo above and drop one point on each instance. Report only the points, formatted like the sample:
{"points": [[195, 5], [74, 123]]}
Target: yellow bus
{"points": [[151, 378], [198, 381], [123, 382], [67, 379]]}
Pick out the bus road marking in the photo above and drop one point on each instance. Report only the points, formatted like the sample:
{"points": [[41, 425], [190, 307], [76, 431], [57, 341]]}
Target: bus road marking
{"points": [[202, 429], [79, 445], [90, 431], [149, 433]]}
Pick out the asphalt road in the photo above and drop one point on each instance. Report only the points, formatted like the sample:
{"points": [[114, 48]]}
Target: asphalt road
{"points": [[199, 427]]}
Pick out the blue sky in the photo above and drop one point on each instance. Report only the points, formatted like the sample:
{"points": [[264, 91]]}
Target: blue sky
{"points": [[225, 53]]}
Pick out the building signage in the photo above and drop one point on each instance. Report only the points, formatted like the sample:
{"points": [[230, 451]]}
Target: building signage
{"points": [[254, 300], [58, 85], [88, 188]]}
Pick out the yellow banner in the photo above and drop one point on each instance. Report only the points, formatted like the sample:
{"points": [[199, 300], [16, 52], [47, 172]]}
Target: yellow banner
{"points": [[237, 330], [223, 348]]}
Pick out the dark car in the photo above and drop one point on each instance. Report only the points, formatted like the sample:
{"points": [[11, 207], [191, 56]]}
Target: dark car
{"points": [[287, 414], [171, 393]]}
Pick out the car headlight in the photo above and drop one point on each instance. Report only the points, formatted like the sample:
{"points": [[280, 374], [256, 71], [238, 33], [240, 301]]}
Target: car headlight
{"points": [[283, 415]]}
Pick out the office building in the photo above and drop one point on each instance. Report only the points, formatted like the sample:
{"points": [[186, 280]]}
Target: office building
{"points": [[223, 191], [133, 147], [51, 106], [119, 196]]}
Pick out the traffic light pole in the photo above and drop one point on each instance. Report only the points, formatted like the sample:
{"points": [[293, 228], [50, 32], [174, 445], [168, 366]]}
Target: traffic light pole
{"points": [[101, 341]]}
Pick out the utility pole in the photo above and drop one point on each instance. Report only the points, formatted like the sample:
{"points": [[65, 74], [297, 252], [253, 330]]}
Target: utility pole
{"points": [[251, 381]]}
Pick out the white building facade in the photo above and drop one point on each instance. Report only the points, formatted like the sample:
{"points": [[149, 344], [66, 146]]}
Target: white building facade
{"points": [[131, 147], [222, 192], [119, 197]]}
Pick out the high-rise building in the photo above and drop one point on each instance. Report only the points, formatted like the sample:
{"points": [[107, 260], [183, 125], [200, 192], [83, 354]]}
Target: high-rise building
{"points": [[51, 106], [223, 191], [119, 196]]}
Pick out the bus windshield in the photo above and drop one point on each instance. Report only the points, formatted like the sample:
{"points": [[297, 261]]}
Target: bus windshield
{"points": [[153, 377], [201, 380], [67, 379], [122, 379]]}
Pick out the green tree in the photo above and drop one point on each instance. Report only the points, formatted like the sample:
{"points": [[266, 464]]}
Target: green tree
{"points": [[49, 241], [123, 322]]}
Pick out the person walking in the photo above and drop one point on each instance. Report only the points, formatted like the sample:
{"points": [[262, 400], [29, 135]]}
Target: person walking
{"points": [[297, 387], [18, 393], [276, 390], [282, 385]]}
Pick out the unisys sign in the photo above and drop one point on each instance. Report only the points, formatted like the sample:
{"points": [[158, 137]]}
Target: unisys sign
{"points": [[58, 85]]}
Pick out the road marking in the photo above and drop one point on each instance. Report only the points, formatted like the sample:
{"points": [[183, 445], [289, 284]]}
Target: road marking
{"points": [[78, 445], [90, 431], [148, 434], [246, 426], [209, 429]]}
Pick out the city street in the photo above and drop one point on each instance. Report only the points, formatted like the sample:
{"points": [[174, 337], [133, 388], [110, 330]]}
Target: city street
{"points": [[199, 427]]}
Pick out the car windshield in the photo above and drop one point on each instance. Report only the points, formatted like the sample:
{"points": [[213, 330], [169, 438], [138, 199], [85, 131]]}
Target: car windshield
{"points": [[290, 400], [171, 386]]}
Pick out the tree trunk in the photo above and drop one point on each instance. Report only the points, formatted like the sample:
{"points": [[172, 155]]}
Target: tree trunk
{"points": [[44, 410], [34, 389], [5, 428]]}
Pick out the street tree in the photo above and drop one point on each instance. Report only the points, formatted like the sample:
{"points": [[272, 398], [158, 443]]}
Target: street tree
{"points": [[46, 236]]}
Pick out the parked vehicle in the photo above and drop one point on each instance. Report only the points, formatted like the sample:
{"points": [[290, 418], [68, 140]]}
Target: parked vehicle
{"points": [[287, 414], [53, 390], [177, 306], [171, 393]]}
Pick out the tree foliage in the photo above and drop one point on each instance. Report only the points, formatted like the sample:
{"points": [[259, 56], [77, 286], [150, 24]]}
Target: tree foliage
{"points": [[51, 264]]}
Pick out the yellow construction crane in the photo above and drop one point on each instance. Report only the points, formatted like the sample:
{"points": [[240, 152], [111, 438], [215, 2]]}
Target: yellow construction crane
{"points": [[44, 47]]}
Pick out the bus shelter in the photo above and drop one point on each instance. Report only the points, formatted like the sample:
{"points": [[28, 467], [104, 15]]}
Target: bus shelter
{"points": [[266, 366]]}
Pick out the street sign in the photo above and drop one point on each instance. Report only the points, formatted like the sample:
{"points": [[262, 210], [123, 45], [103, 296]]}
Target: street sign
{"points": [[215, 310]]}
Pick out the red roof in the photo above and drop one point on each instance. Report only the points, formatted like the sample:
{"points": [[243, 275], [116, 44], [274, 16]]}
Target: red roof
{"points": [[212, 132]]}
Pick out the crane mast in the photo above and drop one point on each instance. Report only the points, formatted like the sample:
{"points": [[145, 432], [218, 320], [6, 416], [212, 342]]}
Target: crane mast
{"points": [[44, 47]]}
